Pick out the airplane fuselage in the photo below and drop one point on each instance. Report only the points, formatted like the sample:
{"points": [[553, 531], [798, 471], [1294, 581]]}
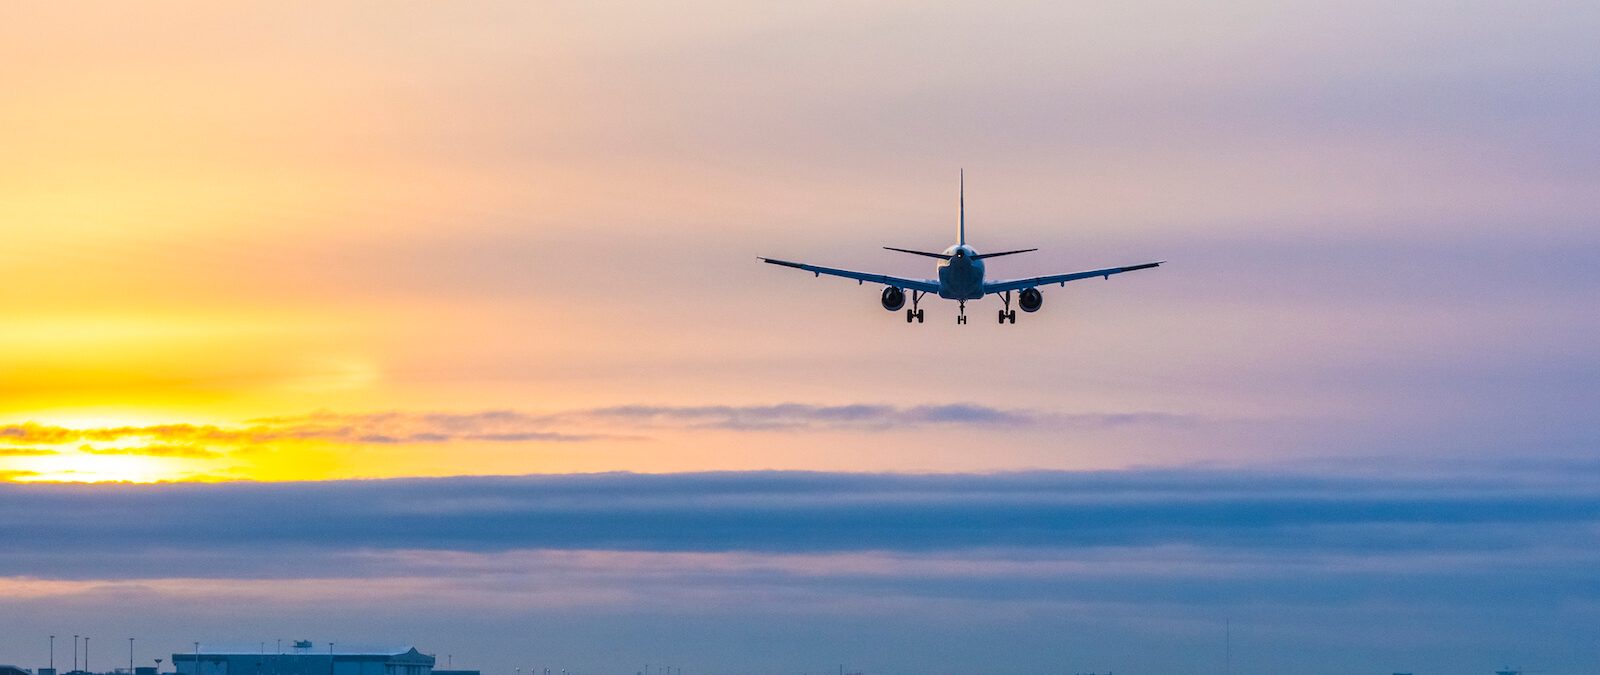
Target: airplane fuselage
{"points": [[961, 276]]}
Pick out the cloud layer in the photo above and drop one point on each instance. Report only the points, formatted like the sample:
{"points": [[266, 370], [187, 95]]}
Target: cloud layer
{"points": [[514, 426], [1301, 562], [330, 444], [802, 513]]}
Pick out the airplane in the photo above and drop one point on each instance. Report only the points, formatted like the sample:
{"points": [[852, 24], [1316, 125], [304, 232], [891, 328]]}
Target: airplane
{"points": [[960, 277]]}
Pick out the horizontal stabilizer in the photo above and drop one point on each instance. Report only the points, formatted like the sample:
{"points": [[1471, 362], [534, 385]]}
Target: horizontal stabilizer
{"points": [[981, 256], [940, 256]]}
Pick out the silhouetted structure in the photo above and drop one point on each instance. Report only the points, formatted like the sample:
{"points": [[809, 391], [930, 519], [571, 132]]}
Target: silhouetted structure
{"points": [[408, 662]]}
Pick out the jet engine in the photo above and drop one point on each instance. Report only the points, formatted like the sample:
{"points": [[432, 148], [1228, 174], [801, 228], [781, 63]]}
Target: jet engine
{"points": [[1030, 300], [893, 299]]}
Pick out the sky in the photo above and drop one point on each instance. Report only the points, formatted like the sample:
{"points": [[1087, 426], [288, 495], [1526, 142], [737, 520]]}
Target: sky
{"points": [[503, 256]]}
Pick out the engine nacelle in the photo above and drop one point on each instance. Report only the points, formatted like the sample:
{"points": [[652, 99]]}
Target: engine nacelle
{"points": [[893, 299], [1030, 300]]}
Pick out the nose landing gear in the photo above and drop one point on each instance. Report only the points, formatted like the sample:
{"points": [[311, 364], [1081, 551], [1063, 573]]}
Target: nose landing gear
{"points": [[961, 319]]}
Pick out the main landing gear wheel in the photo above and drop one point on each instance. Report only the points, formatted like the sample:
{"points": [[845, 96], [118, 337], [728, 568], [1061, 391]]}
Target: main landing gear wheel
{"points": [[1007, 314], [914, 313]]}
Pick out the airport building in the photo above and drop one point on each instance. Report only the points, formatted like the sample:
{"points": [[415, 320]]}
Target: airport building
{"points": [[303, 662]]}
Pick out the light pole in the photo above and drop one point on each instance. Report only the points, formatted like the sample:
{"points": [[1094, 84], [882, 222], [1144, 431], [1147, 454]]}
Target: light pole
{"points": [[74, 653], [86, 653], [52, 655], [130, 656]]}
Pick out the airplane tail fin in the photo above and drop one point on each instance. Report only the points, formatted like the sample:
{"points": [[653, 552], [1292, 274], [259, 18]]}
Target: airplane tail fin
{"points": [[961, 228]]}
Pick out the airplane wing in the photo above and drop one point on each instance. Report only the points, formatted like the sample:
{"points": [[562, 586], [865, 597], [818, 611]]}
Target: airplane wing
{"points": [[1003, 285], [928, 285]]}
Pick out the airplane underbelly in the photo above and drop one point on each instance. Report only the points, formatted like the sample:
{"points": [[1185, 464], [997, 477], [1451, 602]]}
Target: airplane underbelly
{"points": [[960, 283]]}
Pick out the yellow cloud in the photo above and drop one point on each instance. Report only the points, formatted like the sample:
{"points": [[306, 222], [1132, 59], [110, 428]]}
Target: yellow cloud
{"points": [[179, 451]]}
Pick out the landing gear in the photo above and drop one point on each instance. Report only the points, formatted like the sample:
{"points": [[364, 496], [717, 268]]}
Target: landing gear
{"points": [[914, 313], [1007, 314], [961, 319]]}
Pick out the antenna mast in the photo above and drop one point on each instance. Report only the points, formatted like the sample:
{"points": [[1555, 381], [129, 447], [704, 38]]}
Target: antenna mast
{"points": [[1228, 644]]}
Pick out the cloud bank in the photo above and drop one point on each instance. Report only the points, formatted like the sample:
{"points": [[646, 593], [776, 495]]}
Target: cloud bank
{"points": [[510, 426], [1302, 562], [802, 513]]}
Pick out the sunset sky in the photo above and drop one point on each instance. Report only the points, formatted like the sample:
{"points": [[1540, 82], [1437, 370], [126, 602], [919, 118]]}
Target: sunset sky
{"points": [[266, 244]]}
